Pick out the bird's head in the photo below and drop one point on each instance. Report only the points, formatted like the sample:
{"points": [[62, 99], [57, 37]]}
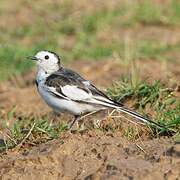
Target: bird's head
{"points": [[47, 60]]}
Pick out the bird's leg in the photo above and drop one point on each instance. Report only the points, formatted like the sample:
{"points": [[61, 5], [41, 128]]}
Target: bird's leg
{"points": [[76, 118]]}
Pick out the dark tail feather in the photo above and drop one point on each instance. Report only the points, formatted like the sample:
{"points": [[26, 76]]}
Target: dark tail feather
{"points": [[139, 116]]}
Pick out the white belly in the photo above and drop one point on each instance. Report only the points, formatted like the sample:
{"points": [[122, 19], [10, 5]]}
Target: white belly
{"points": [[63, 105]]}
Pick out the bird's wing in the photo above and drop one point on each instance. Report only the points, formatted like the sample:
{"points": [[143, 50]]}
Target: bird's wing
{"points": [[95, 91], [72, 86], [69, 85]]}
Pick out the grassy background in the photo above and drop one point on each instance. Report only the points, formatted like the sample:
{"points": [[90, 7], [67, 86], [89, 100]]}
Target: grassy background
{"points": [[79, 30]]}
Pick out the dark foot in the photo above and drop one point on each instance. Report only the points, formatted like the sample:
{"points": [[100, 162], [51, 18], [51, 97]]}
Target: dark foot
{"points": [[73, 122]]}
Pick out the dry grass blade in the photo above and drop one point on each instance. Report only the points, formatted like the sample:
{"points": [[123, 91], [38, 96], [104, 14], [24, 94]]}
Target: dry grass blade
{"points": [[27, 135]]}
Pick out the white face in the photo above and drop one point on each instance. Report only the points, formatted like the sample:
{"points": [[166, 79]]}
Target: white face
{"points": [[47, 61]]}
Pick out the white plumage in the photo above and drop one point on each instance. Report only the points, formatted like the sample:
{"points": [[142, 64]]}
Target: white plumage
{"points": [[66, 91]]}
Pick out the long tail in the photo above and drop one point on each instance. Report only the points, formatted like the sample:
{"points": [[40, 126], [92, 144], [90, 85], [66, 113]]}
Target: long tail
{"points": [[109, 103], [138, 116]]}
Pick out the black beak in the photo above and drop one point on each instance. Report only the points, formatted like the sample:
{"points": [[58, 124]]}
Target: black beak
{"points": [[32, 58]]}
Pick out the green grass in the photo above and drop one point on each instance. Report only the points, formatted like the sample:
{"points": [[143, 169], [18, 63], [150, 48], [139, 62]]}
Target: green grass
{"points": [[75, 34], [30, 131], [164, 106], [13, 61], [99, 20], [146, 49], [148, 13], [13, 58], [155, 50], [21, 40], [154, 98]]}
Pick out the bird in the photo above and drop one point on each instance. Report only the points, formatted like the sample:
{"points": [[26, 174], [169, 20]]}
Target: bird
{"points": [[65, 91]]}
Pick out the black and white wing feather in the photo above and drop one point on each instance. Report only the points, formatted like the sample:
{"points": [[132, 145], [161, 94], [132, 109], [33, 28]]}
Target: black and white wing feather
{"points": [[69, 85]]}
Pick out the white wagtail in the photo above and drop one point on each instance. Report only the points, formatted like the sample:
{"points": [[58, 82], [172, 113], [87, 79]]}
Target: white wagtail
{"points": [[66, 91]]}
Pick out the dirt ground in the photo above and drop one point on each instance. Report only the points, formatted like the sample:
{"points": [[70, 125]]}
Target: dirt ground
{"points": [[95, 156], [92, 154]]}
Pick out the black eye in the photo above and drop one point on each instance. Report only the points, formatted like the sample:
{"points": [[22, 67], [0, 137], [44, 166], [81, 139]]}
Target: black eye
{"points": [[46, 57]]}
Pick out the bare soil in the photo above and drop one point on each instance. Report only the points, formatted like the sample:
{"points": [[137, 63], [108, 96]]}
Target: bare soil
{"points": [[95, 155], [92, 154]]}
